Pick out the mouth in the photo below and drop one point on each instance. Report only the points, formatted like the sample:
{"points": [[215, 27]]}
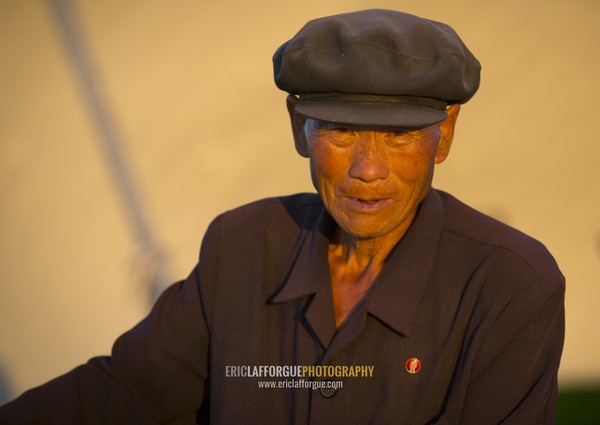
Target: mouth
{"points": [[367, 204]]}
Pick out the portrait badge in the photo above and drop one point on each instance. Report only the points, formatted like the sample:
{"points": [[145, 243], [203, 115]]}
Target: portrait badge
{"points": [[413, 365]]}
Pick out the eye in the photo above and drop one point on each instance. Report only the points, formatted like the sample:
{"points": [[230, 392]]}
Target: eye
{"points": [[401, 138], [340, 136], [342, 131], [333, 133], [397, 137]]}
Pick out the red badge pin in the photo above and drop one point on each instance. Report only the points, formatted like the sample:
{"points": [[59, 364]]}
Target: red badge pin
{"points": [[413, 365]]}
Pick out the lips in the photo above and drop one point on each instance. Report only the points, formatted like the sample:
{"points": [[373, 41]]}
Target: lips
{"points": [[366, 204]]}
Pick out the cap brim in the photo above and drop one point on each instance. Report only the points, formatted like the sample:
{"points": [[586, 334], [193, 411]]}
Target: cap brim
{"points": [[372, 114]]}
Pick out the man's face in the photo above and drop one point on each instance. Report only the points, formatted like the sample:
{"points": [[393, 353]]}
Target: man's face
{"points": [[372, 181]]}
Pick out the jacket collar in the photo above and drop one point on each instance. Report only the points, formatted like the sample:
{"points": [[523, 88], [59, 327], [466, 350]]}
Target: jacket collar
{"points": [[309, 272], [397, 291], [395, 295]]}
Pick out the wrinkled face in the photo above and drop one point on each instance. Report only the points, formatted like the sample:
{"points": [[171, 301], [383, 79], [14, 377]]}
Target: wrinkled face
{"points": [[371, 181]]}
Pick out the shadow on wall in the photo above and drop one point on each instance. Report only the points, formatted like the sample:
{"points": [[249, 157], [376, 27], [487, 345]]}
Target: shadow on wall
{"points": [[6, 393], [579, 406]]}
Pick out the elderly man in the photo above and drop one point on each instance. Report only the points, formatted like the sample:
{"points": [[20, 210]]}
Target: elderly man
{"points": [[377, 300]]}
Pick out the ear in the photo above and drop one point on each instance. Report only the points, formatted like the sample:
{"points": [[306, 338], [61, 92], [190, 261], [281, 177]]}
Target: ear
{"points": [[446, 133], [297, 126]]}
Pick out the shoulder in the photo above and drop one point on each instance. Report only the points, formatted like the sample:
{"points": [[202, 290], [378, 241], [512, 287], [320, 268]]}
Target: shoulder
{"points": [[501, 270], [299, 210], [253, 246], [510, 247], [276, 220]]}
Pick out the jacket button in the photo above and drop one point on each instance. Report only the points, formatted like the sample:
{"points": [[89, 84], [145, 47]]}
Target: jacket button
{"points": [[327, 391]]}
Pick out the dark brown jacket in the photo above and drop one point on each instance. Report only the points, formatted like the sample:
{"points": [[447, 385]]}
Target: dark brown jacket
{"points": [[480, 305]]}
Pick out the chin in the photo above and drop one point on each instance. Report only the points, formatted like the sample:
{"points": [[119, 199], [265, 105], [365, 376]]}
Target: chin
{"points": [[364, 234]]}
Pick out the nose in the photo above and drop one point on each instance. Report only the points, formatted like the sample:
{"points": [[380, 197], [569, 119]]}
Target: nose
{"points": [[369, 159]]}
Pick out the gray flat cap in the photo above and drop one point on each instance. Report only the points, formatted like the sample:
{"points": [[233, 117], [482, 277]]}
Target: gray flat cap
{"points": [[376, 67]]}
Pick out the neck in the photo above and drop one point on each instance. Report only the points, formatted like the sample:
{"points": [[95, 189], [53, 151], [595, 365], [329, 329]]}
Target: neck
{"points": [[369, 253], [354, 264]]}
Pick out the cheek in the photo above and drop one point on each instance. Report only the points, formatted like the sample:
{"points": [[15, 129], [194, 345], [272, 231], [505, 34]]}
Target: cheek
{"points": [[414, 166], [326, 161]]}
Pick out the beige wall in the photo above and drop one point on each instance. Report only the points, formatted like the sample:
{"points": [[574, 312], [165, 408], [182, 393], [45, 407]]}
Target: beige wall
{"points": [[204, 129]]}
